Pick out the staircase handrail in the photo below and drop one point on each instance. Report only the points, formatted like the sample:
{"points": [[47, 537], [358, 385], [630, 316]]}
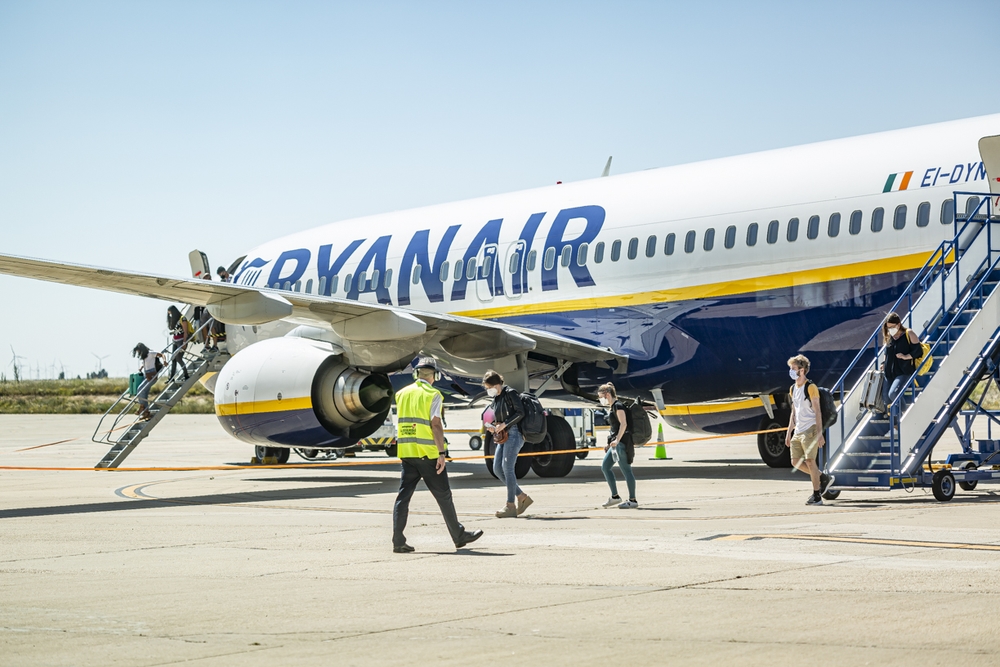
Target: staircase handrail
{"points": [[126, 409]]}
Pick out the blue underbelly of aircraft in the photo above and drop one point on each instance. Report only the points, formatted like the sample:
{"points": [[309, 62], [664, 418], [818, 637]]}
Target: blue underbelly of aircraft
{"points": [[292, 428], [716, 348]]}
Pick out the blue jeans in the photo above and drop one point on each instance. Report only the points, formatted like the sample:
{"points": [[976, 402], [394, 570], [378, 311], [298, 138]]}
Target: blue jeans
{"points": [[504, 459], [890, 390], [623, 463]]}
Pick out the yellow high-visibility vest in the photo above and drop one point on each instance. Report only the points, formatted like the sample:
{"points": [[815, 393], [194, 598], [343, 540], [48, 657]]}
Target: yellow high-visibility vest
{"points": [[414, 437]]}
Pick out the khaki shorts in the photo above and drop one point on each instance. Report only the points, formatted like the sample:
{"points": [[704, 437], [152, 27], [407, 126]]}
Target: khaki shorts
{"points": [[804, 445]]}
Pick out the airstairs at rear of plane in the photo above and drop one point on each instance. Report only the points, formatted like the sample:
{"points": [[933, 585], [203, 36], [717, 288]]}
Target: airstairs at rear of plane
{"points": [[953, 304]]}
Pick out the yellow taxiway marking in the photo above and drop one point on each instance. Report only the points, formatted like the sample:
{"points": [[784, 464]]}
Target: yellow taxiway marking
{"points": [[861, 540]]}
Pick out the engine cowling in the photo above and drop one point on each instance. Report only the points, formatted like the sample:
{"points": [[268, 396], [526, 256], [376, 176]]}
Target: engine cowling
{"points": [[296, 392]]}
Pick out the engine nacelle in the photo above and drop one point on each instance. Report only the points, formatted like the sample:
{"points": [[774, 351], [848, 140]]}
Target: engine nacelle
{"points": [[296, 392]]}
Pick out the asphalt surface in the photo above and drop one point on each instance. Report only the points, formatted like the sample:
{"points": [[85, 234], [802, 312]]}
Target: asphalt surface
{"points": [[723, 563]]}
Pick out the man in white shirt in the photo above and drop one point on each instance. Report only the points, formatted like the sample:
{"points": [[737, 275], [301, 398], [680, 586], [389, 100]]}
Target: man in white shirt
{"points": [[805, 428]]}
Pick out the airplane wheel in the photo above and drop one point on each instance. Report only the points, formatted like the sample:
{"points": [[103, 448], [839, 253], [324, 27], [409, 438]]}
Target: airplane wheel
{"points": [[969, 486], [282, 453], [307, 454], [772, 445], [943, 485], [279, 453], [475, 443], [582, 454], [559, 436], [831, 495]]}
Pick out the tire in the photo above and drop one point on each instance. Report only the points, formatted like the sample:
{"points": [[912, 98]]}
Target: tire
{"points": [[582, 454], [944, 485], [969, 486], [521, 466], [831, 495], [283, 453], [391, 450], [559, 436], [307, 454], [771, 446], [279, 453], [476, 443]]}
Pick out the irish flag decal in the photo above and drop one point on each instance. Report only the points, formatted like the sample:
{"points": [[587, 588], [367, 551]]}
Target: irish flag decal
{"points": [[897, 182]]}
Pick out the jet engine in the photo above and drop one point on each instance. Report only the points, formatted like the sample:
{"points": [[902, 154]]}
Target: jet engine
{"points": [[296, 392]]}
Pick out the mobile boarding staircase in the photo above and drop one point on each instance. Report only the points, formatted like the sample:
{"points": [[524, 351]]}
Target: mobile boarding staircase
{"points": [[121, 426], [954, 305]]}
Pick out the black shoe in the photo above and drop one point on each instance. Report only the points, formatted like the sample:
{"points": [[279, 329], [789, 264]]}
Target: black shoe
{"points": [[825, 482], [815, 499], [468, 537], [403, 549]]}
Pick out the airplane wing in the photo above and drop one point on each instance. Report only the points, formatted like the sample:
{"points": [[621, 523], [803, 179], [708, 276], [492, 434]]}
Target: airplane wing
{"points": [[465, 333]]}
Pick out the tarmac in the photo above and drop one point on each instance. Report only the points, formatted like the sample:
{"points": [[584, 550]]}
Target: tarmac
{"points": [[723, 563]]}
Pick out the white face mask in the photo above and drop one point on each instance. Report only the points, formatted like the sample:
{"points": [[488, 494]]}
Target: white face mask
{"points": [[893, 331], [604, 400], [492, 391], [793, 373]]}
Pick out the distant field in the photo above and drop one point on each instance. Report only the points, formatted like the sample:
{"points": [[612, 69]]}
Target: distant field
{"points": [[84, 397]]}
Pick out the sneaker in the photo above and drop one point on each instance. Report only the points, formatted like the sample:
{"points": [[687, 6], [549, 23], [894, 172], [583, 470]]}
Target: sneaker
{"points": [[523, 505], [825, 482], [629, 505], [815, 499], [507, 512], [612, 501]]}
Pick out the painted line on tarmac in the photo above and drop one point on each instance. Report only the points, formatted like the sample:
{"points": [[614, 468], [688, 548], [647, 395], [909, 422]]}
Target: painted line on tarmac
{"points": [[857, 540], [48, 444]]}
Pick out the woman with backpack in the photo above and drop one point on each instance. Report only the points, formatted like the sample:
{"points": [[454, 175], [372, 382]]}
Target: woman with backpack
{"points": [[150, 363], [619, 449], [902, 350], [507, 411], [180, 331]]}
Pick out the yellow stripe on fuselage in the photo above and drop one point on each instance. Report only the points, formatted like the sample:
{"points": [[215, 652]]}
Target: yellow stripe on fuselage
{"points": [[256, 407], [712, 290]]}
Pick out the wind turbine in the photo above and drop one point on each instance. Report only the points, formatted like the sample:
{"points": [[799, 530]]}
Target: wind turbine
{"points": [[100, 362], [14, 364]]}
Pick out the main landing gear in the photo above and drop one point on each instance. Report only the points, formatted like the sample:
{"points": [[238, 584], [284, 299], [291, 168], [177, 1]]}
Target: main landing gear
{"points": [[771, 446]]}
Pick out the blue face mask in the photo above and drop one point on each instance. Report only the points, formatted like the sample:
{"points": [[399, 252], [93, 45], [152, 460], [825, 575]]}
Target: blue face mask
{"points": [[793, 373]]}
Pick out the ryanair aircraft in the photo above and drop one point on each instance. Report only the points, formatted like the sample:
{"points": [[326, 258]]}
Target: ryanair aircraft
{"points": [[689, 285]]}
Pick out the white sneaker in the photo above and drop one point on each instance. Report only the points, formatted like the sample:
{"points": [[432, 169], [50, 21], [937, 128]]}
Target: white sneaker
{"points": [[611, 502], [629, 505]]}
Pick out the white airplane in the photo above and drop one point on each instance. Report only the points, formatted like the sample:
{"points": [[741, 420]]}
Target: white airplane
{"points": [[688, 285]]}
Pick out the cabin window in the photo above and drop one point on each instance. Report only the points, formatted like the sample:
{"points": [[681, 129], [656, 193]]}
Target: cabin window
{"points": [[459, 269], [793, 230], [668, 245], [415, 276], [833, 226], [855, 225], [567, 255], [322, 285], [348, 281], [772, 232], [515, 263], [899, 217], [532, 258], [730, 236], [633, 248], [616, 251], [309, 286], [923, 214], [752, 234], [298, 285], [651, 246], [877, 216], [599, 253], [443, 273], [333, 284], [375, 275], [362, 281], [487, 266], [947, 211], [689, 241], [970, 208], [581, 254], [812, 229], [388, 279], [709, 241], [550, 259]]}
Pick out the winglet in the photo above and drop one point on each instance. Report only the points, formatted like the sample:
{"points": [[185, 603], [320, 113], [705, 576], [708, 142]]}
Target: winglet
{"points": [[607, 168]]}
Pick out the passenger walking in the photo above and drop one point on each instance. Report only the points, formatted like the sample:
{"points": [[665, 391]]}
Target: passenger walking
{"points": [[421, 448], [180, 331], [619, 449], [507, 439], [150, 363], [223, 274], [902, 350], [805, 428]]}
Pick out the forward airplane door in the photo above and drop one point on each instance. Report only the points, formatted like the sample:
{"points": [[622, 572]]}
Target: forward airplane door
{"points": [[513, 267], [487, 274]]}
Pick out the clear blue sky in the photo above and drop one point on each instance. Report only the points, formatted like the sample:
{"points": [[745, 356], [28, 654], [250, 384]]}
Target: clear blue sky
{"points": [[132, 132]]}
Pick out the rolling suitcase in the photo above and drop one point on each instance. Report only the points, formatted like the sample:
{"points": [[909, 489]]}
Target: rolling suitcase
{"points": [[871, 395]]}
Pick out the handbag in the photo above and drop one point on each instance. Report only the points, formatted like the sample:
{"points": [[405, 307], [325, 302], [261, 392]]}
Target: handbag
{"points": [[500, 437]]}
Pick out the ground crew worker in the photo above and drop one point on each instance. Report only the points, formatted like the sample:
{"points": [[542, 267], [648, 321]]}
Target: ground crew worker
{"points": [[420, 445]]}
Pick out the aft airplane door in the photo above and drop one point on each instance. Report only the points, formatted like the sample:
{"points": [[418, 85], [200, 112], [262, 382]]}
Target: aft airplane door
{"points": [[487, 274], [513, 269]]}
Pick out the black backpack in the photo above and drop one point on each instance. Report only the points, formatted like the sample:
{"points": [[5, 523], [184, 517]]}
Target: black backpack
{"points": [[639, 425], [533, 426], [827, 406]]}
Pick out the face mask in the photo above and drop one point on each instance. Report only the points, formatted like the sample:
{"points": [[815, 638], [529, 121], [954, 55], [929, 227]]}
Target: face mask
{"points": [[793, 373], [893, 331], [605, 401], [491, 392]]}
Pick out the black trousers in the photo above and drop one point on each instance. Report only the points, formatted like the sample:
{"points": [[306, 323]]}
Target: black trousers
{"points": [[177, 358], [413, 471]]}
